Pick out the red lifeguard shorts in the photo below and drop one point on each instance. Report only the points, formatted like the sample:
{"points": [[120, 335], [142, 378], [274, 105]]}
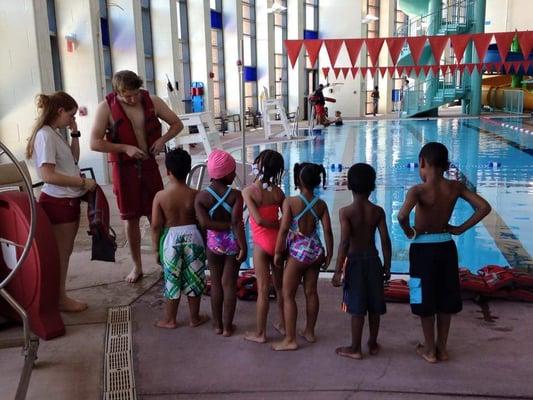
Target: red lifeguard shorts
{"points": [[135, 185], [319, 109], [60, 210]]}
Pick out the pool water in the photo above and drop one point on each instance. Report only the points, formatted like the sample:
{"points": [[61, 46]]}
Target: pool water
{"points": [[494, 161]]}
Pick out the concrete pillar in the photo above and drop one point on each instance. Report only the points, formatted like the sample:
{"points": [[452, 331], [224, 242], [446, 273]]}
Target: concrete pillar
{"points": [[25, 71], [232, 21], [265, 48], [83, 71], [349, 93], [165, 44], [295, 30], [387, 17], [200, 46], [125, 31], [475, 81]]}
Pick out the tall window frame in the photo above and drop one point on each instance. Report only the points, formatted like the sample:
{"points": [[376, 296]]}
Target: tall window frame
{"points": [[184, 52], [311, 24], [373, 8], [54, 45], [250, 52], [106, 46], [217, 54], [149, 67], [401, 28], [280, 57]]}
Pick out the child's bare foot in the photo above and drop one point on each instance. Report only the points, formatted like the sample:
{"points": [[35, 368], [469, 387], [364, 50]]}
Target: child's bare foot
{"points": [[309, 336], [134, 276], [166, 324], [427, 355], [349, 352], [218, 331], [230, 331], [280, 327], [442, 354], [217, 328], [201, 319], [255, 337], [70, 305], [373, 348], [285, 345]]}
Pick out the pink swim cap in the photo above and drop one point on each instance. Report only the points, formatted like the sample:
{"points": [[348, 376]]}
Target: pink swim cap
{"points": [[220, 164]]}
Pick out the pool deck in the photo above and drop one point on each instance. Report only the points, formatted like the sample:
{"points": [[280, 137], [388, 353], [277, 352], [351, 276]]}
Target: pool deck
{"points": [[490, 357]]}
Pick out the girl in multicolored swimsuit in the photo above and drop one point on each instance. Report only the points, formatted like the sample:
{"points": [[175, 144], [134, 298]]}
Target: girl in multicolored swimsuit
{"points": [[219, 212], [264, 199], [298, 236]]}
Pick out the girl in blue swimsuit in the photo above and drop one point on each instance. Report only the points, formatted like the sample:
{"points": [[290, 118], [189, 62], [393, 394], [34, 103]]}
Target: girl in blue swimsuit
{"points": [[299, 245]]}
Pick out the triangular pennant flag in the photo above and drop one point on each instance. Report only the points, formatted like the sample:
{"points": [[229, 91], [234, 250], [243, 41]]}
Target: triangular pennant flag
{"points": [[453, 68], [507, 67], [443, 69], [401, 71], [481, 43], [461, 68], [416, 45], [516, 66], [459, 43], [354, 47], [525, 65], [373, 47], [426, 68], [408, 70], [345, 71], [293, 49], [435, 70], [438, 43], [391, 71], [470, 67], [489, 67], [336, 71], [363, 72], [333, 47], [354, 70], [525, 39], [395, 46], [503, 40], [480, 67], [382, 71], [372, 71], [497, 66], [417, 70], [313, 48], [325, 71]]}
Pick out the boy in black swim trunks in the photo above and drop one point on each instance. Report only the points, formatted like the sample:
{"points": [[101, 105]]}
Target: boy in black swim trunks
{"points": [[434, 284], [364, 275]]}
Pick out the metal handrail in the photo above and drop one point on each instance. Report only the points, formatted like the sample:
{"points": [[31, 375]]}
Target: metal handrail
{"points": [[30, 342], [202, 167]]}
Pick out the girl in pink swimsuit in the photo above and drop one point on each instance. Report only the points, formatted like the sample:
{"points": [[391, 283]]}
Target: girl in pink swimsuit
{"points": [[300, 247], [264, 199], [219, 213]]}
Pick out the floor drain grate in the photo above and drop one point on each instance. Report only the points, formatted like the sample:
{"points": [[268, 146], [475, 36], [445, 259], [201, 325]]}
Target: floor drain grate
{"points": [[119, 382]]}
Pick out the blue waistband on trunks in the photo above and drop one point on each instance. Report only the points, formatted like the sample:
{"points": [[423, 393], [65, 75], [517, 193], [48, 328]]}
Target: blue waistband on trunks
{"points": [[432, 238]]}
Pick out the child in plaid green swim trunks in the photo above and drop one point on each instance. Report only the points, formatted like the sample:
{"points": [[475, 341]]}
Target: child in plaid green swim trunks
{"points": [[177, 242]]}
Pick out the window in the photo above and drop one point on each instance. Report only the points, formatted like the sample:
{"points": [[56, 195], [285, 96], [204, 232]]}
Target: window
{"points": [[149, 79], [54, 45], [280, 56], [401, 22], [311, 24], [106, 46], [250, 52], [372, 32], [183, 43], [217, 53]]}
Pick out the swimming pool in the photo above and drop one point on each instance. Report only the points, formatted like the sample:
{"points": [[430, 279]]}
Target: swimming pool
{"points": [[493, 160]]}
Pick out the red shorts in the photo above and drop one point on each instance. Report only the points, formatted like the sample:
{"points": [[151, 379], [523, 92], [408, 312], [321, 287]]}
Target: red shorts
{"points": [[319, 110], [60, 210], [135, 185]]}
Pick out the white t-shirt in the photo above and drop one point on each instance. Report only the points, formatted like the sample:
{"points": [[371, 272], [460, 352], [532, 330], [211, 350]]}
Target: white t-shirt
{"points": [[51, 148]]}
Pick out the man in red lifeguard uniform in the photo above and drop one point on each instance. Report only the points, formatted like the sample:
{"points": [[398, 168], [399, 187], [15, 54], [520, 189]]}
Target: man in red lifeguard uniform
{"points": [[127, 127]]}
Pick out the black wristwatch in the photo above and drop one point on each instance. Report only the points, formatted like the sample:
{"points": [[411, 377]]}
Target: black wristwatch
{"points": [[76, 134]]}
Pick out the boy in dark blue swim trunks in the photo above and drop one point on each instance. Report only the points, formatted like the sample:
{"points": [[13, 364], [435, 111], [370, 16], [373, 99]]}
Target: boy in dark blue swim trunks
{"points": [[434, 284], [364, 274]]}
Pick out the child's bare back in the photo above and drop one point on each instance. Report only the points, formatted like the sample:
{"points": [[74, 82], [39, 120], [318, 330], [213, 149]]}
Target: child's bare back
{"points": [[177, 204], [363, 218]]}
